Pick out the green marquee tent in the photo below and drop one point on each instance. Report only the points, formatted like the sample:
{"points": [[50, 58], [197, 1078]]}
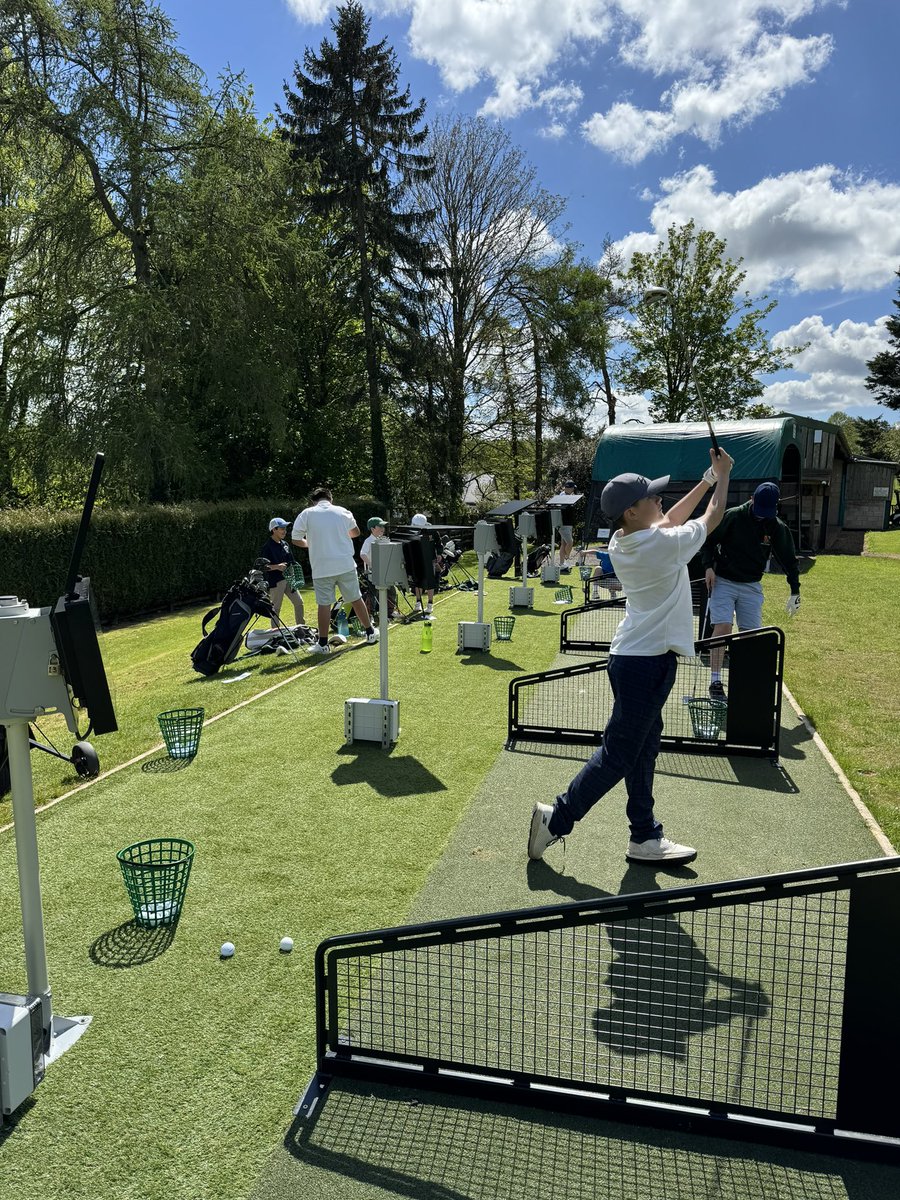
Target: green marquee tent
{"points": [[682, 450]]}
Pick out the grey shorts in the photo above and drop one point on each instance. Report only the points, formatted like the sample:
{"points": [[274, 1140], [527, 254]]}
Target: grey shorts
{"points": [[730, 599], [565, 533], [348, 582]]}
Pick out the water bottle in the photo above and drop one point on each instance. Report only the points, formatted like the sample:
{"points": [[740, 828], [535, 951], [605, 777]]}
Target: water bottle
{"points": [[427, 637], [343, 625]]}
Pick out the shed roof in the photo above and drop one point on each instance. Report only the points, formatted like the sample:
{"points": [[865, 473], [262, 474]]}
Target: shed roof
{"points": [[681, 450]]}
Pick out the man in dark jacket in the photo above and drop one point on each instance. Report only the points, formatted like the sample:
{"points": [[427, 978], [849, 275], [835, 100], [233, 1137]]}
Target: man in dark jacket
{"points": [[735, 558]]}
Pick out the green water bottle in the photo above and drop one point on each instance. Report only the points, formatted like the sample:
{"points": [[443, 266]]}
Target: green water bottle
{"points": [[427, 636]]}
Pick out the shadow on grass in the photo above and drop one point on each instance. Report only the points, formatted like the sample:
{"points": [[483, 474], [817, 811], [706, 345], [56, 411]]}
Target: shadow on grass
{"points": [[387, 773], [489, 660], [165, 765], [433, 1146], [9, 1123], [129, 945]]}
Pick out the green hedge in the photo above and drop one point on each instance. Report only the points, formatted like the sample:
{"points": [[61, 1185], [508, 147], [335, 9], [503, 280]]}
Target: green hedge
{"points": [[141, 559]]}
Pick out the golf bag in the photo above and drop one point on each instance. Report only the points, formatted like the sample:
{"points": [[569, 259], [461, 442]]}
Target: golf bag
{"points": [[244, 600], [278, 641], [498, 564], [537, 558]]}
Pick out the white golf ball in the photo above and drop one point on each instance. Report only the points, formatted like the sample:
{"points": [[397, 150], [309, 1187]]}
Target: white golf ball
{"points": [[286, 945], [226, 950]]}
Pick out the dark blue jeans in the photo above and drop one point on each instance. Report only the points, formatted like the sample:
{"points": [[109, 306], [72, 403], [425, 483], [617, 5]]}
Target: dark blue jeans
{"points": [[641, 686]]}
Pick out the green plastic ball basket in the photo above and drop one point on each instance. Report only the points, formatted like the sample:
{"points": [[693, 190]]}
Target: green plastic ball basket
{"points": [[293, 573], [181, 728], [708, 718], [563, 595], [156, 874], [585, 572], [503, 628]]}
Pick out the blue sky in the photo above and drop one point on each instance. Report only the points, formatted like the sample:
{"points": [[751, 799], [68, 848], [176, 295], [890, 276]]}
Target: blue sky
{"points": [[771, 123]]}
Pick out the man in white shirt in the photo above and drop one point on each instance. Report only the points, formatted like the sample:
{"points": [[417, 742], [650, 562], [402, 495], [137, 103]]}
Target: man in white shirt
{"points": [[328, 531], [650, 552]]}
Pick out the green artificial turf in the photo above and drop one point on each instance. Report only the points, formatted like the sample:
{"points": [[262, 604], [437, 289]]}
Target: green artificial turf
{"points": [[841, 666], [186, 1078]]}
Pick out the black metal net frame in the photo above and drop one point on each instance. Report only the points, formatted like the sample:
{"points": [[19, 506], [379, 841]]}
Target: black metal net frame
{"points": [[756, 1008], [591, 626], [573, 704]]}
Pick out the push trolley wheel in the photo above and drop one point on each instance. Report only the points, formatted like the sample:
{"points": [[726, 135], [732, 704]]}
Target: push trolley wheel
{"points": [[85, 760]]}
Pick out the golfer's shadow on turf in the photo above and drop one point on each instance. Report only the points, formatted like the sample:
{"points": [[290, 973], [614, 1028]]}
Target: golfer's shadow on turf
{"points": [[386, 773], [664, 989]]}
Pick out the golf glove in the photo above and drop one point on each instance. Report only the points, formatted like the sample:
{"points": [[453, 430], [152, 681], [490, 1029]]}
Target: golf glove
{"points": [[709, 476], [793, 605]]}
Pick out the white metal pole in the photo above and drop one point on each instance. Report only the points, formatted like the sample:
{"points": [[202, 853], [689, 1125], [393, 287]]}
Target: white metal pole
{"points": [[29, 870], [383, 641], [480, 589]]}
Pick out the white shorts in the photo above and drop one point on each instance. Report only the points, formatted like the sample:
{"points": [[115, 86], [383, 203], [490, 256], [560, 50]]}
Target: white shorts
{"points": [[348, 582]]}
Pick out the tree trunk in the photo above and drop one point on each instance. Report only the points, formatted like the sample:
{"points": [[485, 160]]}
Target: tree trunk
{"points": [[611, 399], [380, 485], [538, 409]]}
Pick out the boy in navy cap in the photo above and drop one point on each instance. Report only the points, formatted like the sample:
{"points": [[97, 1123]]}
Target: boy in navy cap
{"points": [[650, 552], [735, 559]]}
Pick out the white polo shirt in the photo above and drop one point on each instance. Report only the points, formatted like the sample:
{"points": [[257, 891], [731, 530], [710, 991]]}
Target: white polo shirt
{"points": [[327, 528], [652, 565]]}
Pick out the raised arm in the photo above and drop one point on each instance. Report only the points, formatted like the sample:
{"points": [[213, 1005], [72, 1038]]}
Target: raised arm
{"points": [[718, 501], [682, 509]]}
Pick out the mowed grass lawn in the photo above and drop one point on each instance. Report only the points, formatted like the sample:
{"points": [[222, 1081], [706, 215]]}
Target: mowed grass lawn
{"points": [[185, 1081], [885, 542], [841, 666]]}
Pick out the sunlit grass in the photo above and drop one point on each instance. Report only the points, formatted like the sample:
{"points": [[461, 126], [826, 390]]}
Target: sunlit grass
{"points": [[841, 665]]}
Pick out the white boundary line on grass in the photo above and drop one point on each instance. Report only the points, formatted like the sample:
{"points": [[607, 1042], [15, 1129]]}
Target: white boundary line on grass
{"points": [[874, 828], [160, 746]]}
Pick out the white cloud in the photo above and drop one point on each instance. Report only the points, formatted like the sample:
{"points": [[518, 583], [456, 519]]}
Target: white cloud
{"points": [[806, 230], [725, 61], [834, 364], [310, 12], [747, 86]]}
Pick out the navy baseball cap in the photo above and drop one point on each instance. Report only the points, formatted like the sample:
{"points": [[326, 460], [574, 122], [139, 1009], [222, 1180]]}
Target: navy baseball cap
{"points": [[623, 491], [765, 501]]}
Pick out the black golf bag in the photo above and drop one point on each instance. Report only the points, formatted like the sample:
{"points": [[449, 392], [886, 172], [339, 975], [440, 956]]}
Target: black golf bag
{"points": [[498, 564], [243, 601], [537, 558]]}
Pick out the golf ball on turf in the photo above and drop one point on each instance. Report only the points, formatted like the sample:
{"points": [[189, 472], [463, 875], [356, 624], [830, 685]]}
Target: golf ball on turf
{"points": [[226, 950], [286, 945]]}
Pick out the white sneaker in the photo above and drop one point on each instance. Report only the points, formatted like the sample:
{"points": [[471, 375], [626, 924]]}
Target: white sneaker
{"points": [[659, 850], [539, 837], [318, 648], [372, 638], [428, 612]]}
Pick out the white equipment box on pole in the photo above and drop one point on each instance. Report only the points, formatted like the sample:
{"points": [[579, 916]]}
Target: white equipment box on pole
{"points": [[476, 635], [379, 720], [522, 596]]}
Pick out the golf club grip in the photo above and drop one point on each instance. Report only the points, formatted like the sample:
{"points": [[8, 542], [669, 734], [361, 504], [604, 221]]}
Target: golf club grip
{"points": [[712, 437]]}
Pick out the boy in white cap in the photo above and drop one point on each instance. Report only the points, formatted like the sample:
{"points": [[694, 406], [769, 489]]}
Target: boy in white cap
{"points": [[278, 554], [376, 528], [420, 521], [650, 552]]}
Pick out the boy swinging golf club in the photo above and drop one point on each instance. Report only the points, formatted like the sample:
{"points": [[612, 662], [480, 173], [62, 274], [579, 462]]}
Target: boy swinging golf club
{"points": [[650, 552]]}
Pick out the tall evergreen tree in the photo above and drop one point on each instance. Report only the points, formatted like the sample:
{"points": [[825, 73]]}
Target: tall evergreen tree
{"points": [[883, 379], [349, 116]]}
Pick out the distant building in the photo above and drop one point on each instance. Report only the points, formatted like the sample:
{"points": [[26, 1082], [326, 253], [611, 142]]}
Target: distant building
{"points": [[824, 489]]}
